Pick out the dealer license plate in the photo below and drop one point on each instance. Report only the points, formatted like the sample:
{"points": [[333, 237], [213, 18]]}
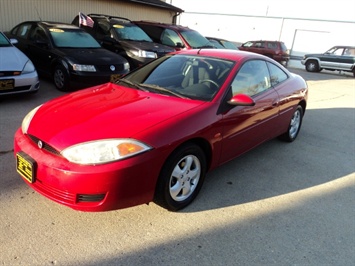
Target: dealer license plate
{"points": [[7, 84], [26, 166]]}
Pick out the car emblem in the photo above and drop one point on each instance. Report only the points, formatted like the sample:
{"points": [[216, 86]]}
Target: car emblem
{"points": [[112, 67], [40, 144]]}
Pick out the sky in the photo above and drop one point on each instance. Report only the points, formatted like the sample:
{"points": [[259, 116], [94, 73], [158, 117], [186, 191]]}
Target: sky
{"points": [[340, 10]]}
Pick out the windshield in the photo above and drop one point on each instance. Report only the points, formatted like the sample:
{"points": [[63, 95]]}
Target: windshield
{"points": [[195, 39], [73, 39], [3, 41], [131, 32], [185, 76]]}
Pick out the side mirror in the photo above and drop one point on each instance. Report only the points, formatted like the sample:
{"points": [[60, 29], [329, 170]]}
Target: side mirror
{"points": [[13, 41], [179, 45], [241, 100]]}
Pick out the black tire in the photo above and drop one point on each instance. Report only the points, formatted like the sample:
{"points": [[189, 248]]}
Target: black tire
{"points": [[312, 66], [61, 78], [181, 178], [294, 126]]}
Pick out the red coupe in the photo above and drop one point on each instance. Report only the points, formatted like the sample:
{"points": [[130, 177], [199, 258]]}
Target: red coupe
{"points": [[155, 133]]}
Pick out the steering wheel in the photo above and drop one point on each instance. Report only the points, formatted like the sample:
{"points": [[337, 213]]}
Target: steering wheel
{"points": [[210, 81]]}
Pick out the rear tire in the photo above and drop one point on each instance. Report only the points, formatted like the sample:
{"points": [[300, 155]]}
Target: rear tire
{"points": [[294, 126], [181, 178]]}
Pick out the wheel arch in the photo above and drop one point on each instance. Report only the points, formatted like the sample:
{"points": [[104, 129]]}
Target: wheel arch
{"points": [[313, 58], [303, 104]]}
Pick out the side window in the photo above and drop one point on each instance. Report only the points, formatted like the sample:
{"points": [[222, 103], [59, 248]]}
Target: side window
{"points": [[272, 45], [170, 37], [338, 51], [277, 75], [259, 44], [349, 52], [22, 31], [38, 34], [252, 78], [103, 30]]}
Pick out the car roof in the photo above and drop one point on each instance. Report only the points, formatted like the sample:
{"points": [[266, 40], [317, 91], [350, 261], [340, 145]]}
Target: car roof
{"points": [[227, 54], [164, 25], [52, 24], [109, 18]]}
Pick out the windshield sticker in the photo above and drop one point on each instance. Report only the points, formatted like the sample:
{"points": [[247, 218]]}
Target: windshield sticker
{"points": [[56, 30], [118, 26]]}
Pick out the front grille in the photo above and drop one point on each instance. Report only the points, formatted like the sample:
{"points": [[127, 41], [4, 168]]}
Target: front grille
{"points": [[106, 68], [20, 88], [90, 197], [9, 73], [45, 146], [62, 196]]}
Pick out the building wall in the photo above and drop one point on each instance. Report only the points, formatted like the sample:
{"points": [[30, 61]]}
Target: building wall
{"points": [[13, 12], [301, 36]]}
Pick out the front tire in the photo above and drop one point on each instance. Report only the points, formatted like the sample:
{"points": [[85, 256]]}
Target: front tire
{"points": [[181, 178], [294, 126], [312, 66], [61, 78]]}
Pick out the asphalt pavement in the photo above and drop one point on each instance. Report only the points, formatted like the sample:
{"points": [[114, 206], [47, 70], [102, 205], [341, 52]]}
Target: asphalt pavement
{"points": [[280, 204]]}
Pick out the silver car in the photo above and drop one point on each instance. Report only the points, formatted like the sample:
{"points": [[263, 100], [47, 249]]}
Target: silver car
{"points": [[17, 73]]}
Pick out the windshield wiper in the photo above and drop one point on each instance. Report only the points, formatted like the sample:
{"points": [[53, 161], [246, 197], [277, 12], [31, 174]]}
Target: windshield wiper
{"points": [[135, 85], [158, 88]]}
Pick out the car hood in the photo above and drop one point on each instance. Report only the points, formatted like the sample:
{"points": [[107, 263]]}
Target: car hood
{"points": [[12, 59], [102, 112], [148, 46], [93, 56]]}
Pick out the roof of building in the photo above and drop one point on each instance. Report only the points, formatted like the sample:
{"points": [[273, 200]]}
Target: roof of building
{"points": [[157, 3]]}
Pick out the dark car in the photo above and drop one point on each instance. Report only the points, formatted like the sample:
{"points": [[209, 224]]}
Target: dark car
{"points": [[274, 49], [121, 36], [68, 54], [340, 58], [176, 36], [155, 133], [222, 43]]}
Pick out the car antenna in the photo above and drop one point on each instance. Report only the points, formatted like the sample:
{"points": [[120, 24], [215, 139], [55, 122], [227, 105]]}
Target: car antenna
{"points": [[38, 14]]}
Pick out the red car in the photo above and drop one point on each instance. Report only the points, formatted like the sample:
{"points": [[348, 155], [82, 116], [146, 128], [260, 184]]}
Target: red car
{"points": [[154, 134]]}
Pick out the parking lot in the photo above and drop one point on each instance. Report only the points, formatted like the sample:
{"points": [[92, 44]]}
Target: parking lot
{"points": [[280, 204]]}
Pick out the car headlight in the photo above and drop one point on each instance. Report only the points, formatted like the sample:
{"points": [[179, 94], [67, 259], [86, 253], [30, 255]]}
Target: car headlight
{"points": [[27, 120], [84, 68], [143, 53], [104, 151], [29, 67]]}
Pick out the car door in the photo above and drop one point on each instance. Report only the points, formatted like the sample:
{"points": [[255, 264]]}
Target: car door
{"points": [[247, 126], [347, 59], [331, 58], [40, 48]]}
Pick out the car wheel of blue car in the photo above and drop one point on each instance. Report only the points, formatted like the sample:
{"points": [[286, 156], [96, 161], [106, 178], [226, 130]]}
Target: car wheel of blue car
{"points": [[181, 178], [61, 78]]}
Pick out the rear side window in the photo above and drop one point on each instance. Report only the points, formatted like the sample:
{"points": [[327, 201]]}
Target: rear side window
{"points": [[283, 47], [22, 30], [272, 45], [277, 75], [170, 37]]}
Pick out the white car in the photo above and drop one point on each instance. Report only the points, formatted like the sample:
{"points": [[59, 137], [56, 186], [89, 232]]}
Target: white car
{"points": [[17, 72]]}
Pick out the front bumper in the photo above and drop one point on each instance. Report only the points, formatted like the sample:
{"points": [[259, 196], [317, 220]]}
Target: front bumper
{"points": [[91, 188], [24, 83]]}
